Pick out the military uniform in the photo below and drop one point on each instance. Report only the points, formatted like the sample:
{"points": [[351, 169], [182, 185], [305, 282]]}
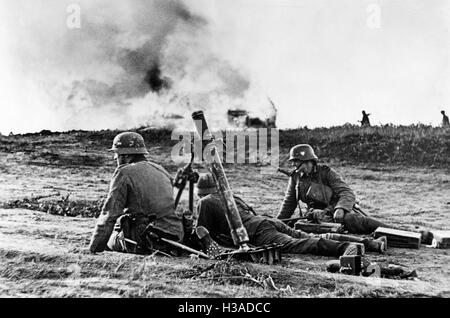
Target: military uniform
{"points": [[140, 190], [445, 120], [365, 120], [261, 230], [342, 198]]}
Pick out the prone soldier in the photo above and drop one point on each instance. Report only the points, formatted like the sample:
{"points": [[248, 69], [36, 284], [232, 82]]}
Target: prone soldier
{"points": [[264, 230]]}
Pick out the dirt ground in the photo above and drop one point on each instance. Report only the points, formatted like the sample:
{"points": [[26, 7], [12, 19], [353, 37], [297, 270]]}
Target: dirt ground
{"points": [[43, 255]]}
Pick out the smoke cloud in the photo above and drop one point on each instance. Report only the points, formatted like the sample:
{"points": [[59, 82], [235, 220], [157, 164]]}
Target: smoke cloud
{"points": [[136, 62]]}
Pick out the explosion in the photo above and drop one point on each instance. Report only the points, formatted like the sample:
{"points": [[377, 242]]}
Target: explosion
{"points": [[135, 63]]}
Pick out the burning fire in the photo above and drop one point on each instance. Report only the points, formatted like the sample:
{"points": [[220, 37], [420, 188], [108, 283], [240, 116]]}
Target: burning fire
{"points": [[135, 63]]}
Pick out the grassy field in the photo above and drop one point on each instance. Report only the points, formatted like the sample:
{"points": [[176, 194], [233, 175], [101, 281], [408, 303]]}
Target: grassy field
{"points": [[400, 175]]}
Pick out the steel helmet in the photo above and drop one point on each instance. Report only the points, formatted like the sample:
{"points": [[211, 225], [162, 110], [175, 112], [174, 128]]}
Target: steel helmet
{"points": [[129, 143], [206, 184], [302, 152]]}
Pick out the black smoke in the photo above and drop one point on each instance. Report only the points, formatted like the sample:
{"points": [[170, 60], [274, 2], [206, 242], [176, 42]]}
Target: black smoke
{"points": [[155, 80]]}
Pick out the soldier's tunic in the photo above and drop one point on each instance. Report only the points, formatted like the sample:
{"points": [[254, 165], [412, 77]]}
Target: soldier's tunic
{"points": [[343, 198], [141, 189], [261, 230]]}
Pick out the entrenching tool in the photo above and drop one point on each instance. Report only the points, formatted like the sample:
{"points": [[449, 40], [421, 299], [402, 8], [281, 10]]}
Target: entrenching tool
{"points": [[174, 244], [152, 233]]}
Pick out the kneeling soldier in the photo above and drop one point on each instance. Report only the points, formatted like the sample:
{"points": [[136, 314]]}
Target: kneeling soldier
{"points": [[140, 192], [327, 196]]}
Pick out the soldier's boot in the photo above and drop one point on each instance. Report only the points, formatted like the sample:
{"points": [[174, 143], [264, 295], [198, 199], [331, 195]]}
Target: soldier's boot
{"points": [[327, 247], [379, 245], [209, 246]]}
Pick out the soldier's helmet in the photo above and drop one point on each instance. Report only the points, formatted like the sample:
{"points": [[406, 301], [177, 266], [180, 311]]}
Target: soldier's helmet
{"points": [[206, 184], [443, 112], [302, 152], [129, 143]]}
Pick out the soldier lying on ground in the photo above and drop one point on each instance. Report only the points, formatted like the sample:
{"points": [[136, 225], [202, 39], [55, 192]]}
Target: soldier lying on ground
{"points": [[310, 178], [139, 192], [264, 230]]}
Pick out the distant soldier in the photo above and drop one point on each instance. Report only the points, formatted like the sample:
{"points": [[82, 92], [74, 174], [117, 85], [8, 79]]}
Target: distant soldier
{"points": [[310, 183], [445, 122], [140, 192], [365, 122], [264, 230]]}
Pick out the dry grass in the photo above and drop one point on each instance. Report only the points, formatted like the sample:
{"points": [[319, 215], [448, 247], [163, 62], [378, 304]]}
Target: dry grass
{"points": [[42, 254]]}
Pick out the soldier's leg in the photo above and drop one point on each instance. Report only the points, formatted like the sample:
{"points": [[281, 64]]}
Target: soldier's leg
{"points": [[284, 228], [373, 245], [268, 234], [358, 224]]}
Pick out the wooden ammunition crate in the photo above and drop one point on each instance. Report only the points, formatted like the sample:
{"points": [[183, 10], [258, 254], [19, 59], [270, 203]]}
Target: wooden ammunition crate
{"points": [[399, 238]]}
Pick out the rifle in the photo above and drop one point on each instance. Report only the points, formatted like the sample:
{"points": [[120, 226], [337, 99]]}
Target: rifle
{"points": [[293, 219]]}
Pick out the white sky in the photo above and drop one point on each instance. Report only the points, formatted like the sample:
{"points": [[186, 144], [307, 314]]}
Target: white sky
{"points": [[319, 60]]}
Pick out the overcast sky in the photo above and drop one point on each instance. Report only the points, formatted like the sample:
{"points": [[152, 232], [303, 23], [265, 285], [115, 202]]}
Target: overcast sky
{"points": [[321, 61]]}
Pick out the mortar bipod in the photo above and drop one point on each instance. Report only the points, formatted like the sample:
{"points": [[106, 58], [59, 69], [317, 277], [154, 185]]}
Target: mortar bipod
{"points": [[185, 175]]}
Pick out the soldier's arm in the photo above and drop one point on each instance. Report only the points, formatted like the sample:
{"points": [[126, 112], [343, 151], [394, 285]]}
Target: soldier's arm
{"points": [[289, 202], [112, 209], [342, 190]]}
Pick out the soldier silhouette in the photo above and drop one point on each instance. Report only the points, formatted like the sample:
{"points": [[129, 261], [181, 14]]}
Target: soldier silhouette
{"points": [[365, 122], [445, 122]]}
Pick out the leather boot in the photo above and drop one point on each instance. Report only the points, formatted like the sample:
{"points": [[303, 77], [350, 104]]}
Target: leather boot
{"points": [[209, 246], [378, 245]]}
